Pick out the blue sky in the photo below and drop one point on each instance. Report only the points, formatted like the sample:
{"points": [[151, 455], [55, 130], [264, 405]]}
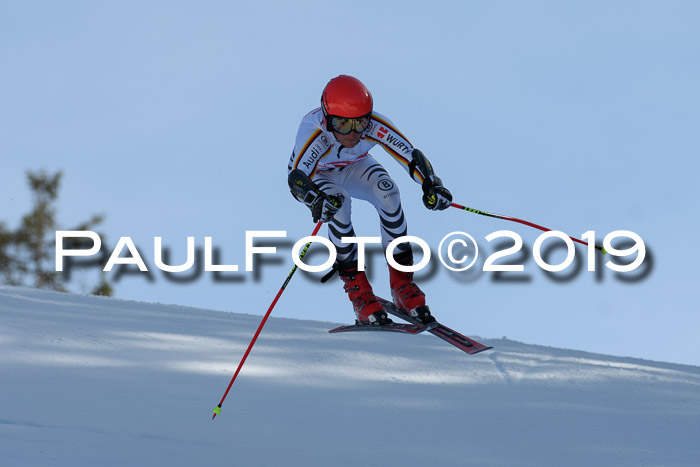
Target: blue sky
{"points": [[177, 119]]}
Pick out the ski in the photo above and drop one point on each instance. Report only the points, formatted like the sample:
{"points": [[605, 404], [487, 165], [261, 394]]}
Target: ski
{"points": [[413, 328], [451, 336], [394, 327]]}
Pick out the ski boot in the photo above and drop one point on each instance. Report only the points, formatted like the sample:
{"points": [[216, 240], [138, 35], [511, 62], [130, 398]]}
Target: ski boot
{"points": [[407, 296], [367, 308]]}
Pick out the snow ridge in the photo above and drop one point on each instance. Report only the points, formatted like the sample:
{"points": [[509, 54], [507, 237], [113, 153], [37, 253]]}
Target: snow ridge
{"points": [[97, 381]]}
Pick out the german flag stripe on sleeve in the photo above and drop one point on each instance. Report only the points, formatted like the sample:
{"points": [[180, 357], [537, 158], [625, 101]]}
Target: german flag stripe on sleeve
{"points": [[388, 149], [308, 143], [313, 172], [391, 127]]}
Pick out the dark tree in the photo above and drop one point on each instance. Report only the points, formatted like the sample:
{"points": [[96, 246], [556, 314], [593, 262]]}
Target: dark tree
{"points": [[26, 254]]}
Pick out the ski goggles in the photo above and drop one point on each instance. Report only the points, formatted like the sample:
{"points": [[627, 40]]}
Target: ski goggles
{"points": [[345, 125]]}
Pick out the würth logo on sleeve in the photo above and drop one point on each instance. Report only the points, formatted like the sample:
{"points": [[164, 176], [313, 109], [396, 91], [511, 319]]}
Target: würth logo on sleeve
{"points": [[381, 132]]}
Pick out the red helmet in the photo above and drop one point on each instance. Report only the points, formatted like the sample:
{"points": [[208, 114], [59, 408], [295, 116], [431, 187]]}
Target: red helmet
{"points": [[346, 96]]}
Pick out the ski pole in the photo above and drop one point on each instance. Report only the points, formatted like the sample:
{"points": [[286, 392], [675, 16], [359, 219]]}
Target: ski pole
{"points": [[520, 221], [217, 409]]}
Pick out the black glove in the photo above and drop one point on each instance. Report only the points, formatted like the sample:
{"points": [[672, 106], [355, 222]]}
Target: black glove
{"points": [[324, 207], [435, 196]]}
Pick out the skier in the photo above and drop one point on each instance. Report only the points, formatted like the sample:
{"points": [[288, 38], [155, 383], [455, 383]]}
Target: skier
{"points": [[331, 164]]}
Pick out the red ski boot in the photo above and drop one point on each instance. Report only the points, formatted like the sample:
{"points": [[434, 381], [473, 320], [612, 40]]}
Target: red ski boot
{"points": [[367, 309], [406, 294]]}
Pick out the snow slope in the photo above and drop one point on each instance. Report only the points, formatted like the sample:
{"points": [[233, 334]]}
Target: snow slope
{"points": [[99, 381]]}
